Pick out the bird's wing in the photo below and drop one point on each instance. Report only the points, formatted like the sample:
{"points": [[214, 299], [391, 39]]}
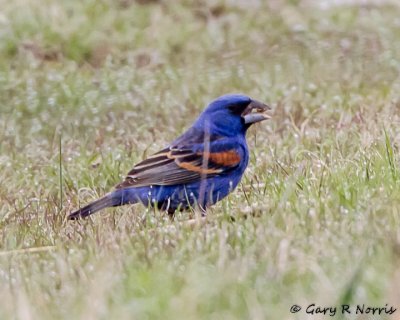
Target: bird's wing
{"points": [[180, 165]]}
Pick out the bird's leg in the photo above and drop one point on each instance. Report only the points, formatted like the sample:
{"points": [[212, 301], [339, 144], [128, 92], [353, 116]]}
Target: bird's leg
{"points": [[171, 213]]}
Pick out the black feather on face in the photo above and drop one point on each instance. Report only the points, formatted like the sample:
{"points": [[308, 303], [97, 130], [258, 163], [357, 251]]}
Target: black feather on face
{"points": [[238, 108]]}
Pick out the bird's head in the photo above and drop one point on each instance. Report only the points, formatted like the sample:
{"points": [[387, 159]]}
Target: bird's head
{"points": [[232, 114]]}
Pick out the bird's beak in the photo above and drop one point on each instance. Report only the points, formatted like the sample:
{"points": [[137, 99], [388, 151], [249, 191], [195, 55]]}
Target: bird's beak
{"points": [[255, 112]]}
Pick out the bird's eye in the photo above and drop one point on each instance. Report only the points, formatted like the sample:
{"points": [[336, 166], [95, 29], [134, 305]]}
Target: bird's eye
{"points": [[237, 108]]}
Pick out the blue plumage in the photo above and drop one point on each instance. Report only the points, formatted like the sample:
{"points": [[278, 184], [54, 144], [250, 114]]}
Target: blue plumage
{"points": [[199, 168]]}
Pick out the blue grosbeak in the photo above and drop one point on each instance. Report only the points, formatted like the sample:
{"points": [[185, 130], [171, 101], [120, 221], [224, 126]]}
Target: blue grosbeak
{"points": [[199, 168]]}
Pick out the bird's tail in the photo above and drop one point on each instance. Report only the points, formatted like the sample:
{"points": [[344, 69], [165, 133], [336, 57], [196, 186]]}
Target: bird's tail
{"points": [[107, 201]]}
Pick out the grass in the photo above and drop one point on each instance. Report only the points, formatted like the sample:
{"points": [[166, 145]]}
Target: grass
{"points": [[88, 88]]}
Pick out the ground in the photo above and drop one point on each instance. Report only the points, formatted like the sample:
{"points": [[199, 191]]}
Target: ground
{"points": [[89, 88]]}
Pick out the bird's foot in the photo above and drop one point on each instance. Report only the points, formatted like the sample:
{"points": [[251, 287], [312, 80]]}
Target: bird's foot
{"points": [[197, 221]]}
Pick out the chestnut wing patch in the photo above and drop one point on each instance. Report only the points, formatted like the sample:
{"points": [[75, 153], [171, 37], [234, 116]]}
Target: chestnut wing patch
{"points": [[226, 158], [173, 166]]}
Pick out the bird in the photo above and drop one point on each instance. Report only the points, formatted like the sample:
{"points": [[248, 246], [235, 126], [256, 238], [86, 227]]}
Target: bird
{"points": [[196, 170]]}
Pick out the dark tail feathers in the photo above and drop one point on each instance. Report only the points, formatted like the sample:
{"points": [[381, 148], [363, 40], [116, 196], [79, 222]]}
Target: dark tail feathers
{"points": [[105, 202]]}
